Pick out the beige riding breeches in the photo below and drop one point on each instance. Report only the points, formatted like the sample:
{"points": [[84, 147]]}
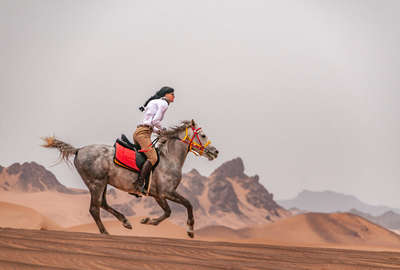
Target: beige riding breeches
{"points": [[142, 136]]}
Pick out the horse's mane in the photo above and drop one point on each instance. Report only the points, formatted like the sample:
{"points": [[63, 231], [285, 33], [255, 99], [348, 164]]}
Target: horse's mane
{"points": [[171, 133], [174, 131]]}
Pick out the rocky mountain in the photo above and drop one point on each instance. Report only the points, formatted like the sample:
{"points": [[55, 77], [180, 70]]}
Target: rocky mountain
{"points": [[389, 220], [31, 177], [329, 201]]}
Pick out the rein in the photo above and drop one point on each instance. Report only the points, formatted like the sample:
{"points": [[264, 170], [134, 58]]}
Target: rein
{"points": [[192, 144], [152, 145], [190, 141]]}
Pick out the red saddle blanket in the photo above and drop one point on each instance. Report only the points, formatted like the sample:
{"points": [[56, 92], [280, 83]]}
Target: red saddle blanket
{"points": [[128, 158]]}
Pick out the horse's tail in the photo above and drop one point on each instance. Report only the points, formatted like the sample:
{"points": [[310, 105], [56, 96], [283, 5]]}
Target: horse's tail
{"points": [[66, 150]]}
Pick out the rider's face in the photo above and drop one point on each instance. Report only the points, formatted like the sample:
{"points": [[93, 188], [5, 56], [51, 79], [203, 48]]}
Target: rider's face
{"points": [[170, 97]]}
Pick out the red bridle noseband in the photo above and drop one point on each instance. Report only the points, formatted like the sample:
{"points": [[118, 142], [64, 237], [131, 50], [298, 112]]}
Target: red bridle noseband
{"points": [[193, 144]]}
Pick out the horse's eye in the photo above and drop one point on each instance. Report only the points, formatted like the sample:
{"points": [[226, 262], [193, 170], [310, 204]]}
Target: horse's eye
{"points": [[203, 136]]}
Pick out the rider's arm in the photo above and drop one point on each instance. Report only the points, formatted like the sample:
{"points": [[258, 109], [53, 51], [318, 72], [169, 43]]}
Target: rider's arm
{"points": [[156, 122]]}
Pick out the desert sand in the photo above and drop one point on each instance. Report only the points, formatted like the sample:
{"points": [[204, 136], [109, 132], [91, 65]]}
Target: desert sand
{"points": [[306, 241], [39, 249], [338, 230], [114, 227], [17, 216], [65, 209]]}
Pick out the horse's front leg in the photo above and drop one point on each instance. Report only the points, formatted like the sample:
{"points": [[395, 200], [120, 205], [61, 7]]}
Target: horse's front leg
{"points": [[176, 197], [167, 212]]}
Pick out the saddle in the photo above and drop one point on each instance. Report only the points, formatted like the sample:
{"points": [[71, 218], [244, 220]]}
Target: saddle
{"points": [[128, 142], [127, 155]]}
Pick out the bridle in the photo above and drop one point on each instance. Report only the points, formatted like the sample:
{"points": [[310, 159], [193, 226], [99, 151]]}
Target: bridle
{"points": [[192, 144]]}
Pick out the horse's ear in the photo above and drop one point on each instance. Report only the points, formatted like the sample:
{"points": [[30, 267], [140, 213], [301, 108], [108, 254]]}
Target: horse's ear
{"points": [[193, 123]]}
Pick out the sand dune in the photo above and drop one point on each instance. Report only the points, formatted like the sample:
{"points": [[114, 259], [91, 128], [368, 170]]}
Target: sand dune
{"points": [[220, 233], [65, 209], [312, 229], [17, 216]]}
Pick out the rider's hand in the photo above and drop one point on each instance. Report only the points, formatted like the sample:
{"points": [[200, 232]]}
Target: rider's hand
{"points": [[161, 131]]}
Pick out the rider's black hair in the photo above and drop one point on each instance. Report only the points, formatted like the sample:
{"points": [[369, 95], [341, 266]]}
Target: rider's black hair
{"points": [[160, 93]]}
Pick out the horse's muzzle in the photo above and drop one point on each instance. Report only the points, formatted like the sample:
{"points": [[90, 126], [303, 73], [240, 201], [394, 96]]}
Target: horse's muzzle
{"points": [[211, 152]]}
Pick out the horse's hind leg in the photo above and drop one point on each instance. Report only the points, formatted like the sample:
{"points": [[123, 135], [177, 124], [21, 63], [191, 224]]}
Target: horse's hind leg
{"points": [[176, 197], [96, 192], [167, 212], [111, 210]]}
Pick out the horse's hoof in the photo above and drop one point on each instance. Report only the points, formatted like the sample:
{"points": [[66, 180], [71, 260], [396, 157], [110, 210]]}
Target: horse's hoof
{"points": [[190, 234], [127, 225], [145, 220], [154, 223]]}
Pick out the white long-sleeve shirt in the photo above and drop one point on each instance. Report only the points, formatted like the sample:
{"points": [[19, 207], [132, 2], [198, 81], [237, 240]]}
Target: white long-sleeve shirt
{"points": [[154, 113]]}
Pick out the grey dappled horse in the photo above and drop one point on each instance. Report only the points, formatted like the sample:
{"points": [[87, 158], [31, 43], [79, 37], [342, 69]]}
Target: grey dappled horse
{"points": [[97, 169]]}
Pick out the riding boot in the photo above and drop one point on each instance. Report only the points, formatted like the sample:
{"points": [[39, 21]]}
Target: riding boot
{"points": [[144, 174]]}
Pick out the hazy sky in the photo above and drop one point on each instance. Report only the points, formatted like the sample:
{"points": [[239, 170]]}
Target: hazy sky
{"points": [[306, 92]]}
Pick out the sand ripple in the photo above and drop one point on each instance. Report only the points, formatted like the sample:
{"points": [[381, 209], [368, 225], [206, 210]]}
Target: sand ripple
{"points": [[36, 249]]}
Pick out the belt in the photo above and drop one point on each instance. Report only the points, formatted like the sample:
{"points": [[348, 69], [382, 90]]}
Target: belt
{"points": [[146, 126]]}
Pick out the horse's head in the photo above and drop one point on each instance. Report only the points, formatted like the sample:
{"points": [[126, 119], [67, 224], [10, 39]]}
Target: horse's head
{"points": [[198, 142], [194, 137]]}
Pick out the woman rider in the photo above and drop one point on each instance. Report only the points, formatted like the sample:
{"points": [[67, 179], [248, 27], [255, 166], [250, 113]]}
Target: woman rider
{"points": [[154, 110]]}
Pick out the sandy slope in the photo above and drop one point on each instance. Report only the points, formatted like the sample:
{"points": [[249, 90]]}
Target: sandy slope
{"points": [[312, 229], [17, 216], [65, 209], [35, 249]]}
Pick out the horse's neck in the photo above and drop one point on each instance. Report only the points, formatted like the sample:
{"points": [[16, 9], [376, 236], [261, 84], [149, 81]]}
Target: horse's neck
{"points": [[176, 152]]}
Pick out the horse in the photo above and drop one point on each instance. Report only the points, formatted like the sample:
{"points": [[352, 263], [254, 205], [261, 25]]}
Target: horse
{"points": [[95, 164]]}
